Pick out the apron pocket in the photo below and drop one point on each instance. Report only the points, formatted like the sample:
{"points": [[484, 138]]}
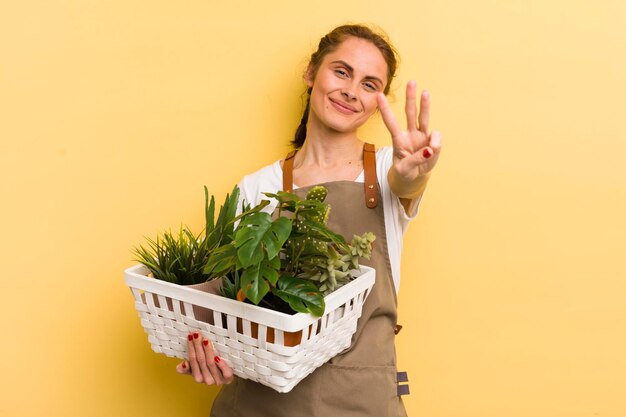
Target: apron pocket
{"points": [[358, 391]]}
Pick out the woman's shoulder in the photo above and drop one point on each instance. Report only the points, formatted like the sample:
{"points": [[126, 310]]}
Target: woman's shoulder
{"points": [[384, 159], [268, 171], [267, 179], [384, 152]]}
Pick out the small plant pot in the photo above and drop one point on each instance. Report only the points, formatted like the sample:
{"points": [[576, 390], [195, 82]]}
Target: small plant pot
{"points": [[200, 313]]}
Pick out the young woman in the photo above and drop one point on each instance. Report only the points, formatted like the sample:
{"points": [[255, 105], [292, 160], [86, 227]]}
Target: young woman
{"points": [[348, 78]]}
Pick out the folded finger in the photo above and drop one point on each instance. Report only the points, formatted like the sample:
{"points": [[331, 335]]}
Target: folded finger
{"points": [[435, 141]]}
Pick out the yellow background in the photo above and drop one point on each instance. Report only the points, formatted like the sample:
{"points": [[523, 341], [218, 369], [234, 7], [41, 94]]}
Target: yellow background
{"points": [[114, 114]]}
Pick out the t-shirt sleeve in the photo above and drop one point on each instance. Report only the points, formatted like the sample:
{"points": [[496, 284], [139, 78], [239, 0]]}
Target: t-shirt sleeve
{"points": [[384, 162], [252, 187], [245, 194]]}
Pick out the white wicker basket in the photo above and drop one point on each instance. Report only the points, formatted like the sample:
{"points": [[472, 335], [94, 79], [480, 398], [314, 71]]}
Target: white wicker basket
{"points": [[250, 338]]}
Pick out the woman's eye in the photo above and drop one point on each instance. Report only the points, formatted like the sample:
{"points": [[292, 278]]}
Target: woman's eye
{"points": [[341, 73], [370, 86]]}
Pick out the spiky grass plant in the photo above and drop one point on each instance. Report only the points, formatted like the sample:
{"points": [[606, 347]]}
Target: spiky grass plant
{"points": [[180, 258], [177, 258]]}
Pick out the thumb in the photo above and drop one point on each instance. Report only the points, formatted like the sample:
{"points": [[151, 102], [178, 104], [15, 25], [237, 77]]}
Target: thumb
{"points": [[183, 368]]}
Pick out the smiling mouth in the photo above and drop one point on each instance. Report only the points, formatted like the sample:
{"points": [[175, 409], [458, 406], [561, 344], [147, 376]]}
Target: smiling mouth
{"points": [[343, 108]]}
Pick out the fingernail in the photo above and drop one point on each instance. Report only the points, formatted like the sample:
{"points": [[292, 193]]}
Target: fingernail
{"points": [[189, 337], [184, 365], [196, 335], [427, 153], [216, 359], [205, 342]]}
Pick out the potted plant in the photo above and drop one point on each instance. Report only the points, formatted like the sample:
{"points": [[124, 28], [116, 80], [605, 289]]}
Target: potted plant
{"points": [[180, 258]]}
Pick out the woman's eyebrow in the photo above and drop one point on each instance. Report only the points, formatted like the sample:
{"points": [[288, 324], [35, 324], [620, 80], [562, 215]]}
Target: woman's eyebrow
{"points": [[349, 68]]}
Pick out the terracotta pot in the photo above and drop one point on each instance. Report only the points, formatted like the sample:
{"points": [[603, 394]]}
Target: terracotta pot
{"points": [[200, 313], [289, 338]]}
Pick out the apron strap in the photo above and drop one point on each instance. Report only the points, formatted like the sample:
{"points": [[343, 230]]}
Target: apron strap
{"points": [[369, 168], [288, 171]]}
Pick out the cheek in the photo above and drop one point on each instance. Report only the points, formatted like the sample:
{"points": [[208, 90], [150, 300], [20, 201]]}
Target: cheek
{"points": [[370, 104]]}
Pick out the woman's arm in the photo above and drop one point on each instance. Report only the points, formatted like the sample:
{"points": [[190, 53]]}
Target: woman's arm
{"points": [[407, 191]]}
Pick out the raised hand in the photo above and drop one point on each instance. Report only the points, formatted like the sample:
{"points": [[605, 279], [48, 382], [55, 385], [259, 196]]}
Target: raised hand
{"points": [[415, 150]]}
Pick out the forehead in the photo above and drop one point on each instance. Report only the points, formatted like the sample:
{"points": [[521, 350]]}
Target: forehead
{"points": [[365, 58]]}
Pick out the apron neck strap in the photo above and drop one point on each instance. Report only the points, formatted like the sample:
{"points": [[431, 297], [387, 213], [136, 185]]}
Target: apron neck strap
{"points": [[370, 181], [369, 169], [288, 171]]}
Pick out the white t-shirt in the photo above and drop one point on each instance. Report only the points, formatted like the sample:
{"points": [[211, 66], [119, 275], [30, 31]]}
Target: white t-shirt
{"points": [[270, 179]]}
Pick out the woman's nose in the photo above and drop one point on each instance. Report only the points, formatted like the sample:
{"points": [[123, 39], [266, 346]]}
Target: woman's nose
{"points": [[348, 94]]}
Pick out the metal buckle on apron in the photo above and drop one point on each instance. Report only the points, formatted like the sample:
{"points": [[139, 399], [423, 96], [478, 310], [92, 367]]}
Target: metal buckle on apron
{"points": [[402, 389]]}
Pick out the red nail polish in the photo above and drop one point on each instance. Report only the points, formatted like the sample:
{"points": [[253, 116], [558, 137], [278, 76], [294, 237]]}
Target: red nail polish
{"points": [[189, 337], [196, 335], [184, 365], [427, 153], [216, 359], [205, 342]]}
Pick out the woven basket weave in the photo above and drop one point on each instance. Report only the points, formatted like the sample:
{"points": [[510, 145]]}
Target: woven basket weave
{"points": [[239, 331]]}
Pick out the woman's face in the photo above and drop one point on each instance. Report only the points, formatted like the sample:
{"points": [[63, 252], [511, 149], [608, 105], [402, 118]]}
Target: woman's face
{"points": [[344, 89]]}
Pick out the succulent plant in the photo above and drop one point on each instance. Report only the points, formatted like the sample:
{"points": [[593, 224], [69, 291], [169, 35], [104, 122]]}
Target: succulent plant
{"points": [[333, 271]]}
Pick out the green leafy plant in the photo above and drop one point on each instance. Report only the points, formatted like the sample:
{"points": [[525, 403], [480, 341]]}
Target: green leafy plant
{"points": [[294, 258]]}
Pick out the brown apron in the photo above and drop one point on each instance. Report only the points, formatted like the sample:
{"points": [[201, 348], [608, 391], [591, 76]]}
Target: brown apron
{"points": [[362, 380]]}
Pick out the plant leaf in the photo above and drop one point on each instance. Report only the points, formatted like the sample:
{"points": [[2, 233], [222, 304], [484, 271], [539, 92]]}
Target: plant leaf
{"points": [[254, 280], [322, 232], [230, 286], [258, 236], [302, 295], [221, 261], [209, 213]]}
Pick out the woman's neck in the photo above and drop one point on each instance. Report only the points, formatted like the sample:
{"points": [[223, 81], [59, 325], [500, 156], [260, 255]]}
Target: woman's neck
{"points": [[325, 148]]}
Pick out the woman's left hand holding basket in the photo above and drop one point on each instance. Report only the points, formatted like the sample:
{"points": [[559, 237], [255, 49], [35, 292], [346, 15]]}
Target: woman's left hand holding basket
{"points": [[205, 367]]}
